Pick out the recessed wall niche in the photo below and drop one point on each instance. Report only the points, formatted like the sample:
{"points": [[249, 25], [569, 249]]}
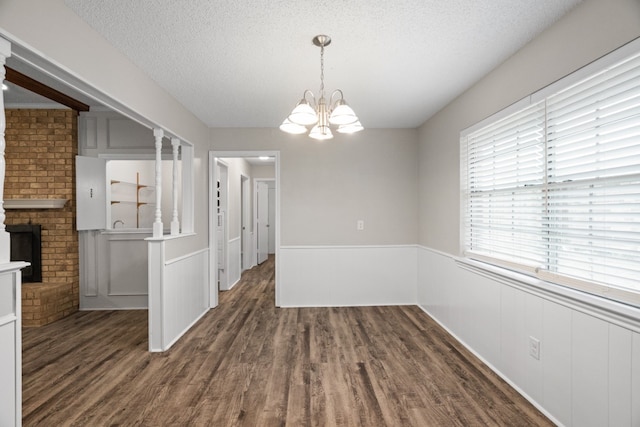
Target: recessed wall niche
{"points": [[132, 193]]}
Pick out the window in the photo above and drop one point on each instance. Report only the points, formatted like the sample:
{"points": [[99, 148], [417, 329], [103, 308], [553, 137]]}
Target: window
{"points": [[552, 188]]}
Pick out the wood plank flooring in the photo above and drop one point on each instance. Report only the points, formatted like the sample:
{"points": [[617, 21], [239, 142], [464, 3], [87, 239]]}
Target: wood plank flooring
{"points": [[248, 363]]}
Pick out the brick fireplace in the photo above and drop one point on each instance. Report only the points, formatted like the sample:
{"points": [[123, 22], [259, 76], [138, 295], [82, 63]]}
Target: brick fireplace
{"points": [[40, 159]]}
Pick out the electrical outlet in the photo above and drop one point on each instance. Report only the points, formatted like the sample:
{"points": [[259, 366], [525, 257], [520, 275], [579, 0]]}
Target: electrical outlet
{"points": [[534, 348], [360, 225]]}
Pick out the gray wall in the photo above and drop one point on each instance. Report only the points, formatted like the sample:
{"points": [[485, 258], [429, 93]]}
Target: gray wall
{"points": [[326, 187], [591, 30]]}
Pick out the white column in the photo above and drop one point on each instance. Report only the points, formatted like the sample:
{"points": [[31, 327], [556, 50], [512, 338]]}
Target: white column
{"points": [[157, 223], [175, 224], [5, 243]]}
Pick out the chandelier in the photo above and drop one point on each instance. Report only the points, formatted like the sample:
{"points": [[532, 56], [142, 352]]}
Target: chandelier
{"points": [[310, 112]]}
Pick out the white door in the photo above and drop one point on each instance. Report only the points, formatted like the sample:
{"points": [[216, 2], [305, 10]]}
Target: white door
{"points": [[263, 220]]}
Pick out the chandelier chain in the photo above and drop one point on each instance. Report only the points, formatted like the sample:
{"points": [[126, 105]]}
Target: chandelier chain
{"points": [[322, 71]]}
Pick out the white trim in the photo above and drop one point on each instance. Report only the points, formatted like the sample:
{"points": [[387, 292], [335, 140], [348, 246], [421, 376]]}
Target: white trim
{"points": [[437, 252], [330, 247], [213, 270], [111, 308], [183, 257], [164, 237], [9, 318], [168, 345]]}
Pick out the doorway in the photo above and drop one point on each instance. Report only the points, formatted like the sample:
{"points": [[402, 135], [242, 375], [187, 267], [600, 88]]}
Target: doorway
{"points": [[264, 217], [245, 226], [221, 228], [238, 248]]}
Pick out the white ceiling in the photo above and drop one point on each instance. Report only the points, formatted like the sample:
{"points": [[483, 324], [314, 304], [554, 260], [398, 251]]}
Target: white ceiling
{"points": [[246, 63]]}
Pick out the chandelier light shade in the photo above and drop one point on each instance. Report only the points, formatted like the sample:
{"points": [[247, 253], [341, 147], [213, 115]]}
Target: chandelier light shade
{"points": [[319, 114]]}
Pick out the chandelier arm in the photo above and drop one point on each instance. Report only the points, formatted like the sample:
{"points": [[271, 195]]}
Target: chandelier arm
{"points": [[313, 98], [331, 102]]}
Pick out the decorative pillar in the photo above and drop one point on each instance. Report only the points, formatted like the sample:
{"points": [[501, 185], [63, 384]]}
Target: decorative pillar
{"points": [[157, 223], [5, 242], [175, 224]]}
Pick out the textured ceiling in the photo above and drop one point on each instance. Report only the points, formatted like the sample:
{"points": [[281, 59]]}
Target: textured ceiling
{"points": [[245, 63]]}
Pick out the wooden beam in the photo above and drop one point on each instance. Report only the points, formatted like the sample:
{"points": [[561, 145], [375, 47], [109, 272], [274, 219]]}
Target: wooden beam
{"points": [[41, 89]]}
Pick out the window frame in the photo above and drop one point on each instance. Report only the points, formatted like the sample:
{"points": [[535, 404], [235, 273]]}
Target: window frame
{"points": [[611, 292]]}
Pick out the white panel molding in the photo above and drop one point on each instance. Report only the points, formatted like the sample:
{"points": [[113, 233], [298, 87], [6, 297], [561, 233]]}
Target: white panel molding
{"points": [[635, 380], [587, 373], [333, 276], [186, 257], [88, 265], [610, 311], [127, 266], [183, 295], [123, 133], [620, 360], [234, 257], [103, 285], [89, 128]]}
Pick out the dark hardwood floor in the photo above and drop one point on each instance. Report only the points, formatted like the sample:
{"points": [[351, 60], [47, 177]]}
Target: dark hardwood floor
{"points": [[248, 363]]}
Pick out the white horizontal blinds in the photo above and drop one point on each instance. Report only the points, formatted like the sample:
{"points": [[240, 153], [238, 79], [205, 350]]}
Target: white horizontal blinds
{"points": [[593, 174], [503, 177]]}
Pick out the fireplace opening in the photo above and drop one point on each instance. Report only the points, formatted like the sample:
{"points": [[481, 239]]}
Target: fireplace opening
{"points": [[26, 245]]}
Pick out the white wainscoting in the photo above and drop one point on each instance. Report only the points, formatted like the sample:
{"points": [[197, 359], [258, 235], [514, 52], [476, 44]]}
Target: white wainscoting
{"points": [[589, 368], [178, 294], [235, 257], [113, 270], [333, 276]]}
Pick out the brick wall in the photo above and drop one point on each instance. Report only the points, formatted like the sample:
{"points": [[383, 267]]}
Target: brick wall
{"points": [[40, 158]]}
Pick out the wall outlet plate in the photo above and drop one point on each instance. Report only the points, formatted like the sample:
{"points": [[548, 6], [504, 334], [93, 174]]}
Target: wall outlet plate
{"points": [[534, 348]]}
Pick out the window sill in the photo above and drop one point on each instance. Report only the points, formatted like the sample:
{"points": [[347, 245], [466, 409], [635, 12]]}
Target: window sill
{"points": [[626, 316]]}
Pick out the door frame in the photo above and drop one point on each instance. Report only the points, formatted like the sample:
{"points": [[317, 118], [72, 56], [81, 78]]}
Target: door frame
{"points": [[214, 176], [245, 222], [214, 156]]}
